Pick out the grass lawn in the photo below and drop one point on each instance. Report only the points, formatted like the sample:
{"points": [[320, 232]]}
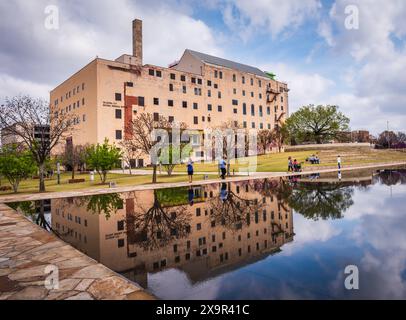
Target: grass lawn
{"points": [[31, 186], [278, 162]]}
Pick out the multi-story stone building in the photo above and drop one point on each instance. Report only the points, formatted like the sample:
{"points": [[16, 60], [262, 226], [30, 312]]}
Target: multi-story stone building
{"points": [[200, 90]]}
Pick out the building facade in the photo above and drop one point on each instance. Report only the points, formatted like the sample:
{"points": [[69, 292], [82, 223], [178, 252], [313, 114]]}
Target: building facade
{"points": [[200, 90]]}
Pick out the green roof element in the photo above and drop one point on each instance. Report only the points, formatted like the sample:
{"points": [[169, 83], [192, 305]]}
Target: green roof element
{"points": [[270, 75]]}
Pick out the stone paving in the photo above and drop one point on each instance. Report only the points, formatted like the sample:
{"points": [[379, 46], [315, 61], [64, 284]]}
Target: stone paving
{"points": [[26, 250], [254, 175]]}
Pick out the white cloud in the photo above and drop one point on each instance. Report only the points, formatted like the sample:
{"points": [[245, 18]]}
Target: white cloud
{"points": [[92, 28], [269, 16]]}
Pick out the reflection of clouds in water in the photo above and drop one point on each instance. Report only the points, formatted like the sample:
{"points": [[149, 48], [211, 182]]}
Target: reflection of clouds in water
{"points": [[308, 231], [380, 231], [180, 286]]}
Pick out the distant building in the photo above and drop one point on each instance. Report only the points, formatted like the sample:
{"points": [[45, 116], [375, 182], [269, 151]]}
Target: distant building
{"points": [[360, 136], [200, 90], [9, 137]]}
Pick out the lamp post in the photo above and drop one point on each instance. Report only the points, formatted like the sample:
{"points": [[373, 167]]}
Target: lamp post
{"points": [[58, 172]]}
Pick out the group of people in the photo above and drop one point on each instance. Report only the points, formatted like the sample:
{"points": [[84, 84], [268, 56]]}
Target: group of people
{"points": [[222, 167], [313, 159], [294, 165]]}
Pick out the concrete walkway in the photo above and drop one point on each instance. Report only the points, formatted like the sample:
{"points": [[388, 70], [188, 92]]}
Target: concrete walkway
{"points": [[255, 175], [26, 250]]}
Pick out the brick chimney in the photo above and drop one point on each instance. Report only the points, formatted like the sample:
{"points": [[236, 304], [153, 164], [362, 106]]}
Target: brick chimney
{"points": [[137, 40]]}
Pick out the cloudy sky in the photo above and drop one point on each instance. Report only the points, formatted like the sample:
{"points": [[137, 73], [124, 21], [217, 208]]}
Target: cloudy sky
{"points": [[306, 43]]}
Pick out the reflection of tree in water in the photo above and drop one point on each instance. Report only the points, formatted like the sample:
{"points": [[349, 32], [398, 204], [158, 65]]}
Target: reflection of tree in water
{"points": [[392, 177], [231, 209], [158, 225], [316, 200], [35, 210], [105, 203]]}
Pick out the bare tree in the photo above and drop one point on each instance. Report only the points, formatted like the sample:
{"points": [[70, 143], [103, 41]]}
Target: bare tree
{"points": [[31, 122], [265, 138], [74, 157], [227, 134], [141, 132], [129, 152]]}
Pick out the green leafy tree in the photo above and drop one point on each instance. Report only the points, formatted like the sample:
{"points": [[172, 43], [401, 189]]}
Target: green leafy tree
{"points": [[317, 124], [16, 164], [105, 203], [171, 154], [102, 158]]}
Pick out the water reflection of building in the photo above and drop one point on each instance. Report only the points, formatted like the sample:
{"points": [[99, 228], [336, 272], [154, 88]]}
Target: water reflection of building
{"points": [[225, 226]]}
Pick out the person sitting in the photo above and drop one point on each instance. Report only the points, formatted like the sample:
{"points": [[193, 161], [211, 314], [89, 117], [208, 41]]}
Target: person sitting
{"points": [[297, 166]]}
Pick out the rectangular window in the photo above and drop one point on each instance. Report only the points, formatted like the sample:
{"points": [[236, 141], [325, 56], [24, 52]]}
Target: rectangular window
{"points": [[244, 108], [252, 81], [219, 95], [268, 111], [170, 103], [118, 96], [118, 113], [209, 107], [171, 119], [119, 134], [252, 110], [195, 120], [243, 93], [156, 116], [215, 73], [235, 102], [151, 72], [199, 81], [129, 84], [221, 74], [120, 225], [209, 93], [234, 78], [243, 80], [156, 101], [182, 78], [235, 110], [184, 89], [184, 104], [195, 105], [244, 124], [193, 80], [83, 101], [215, 86], [120, 243], [159, 73], [170, 87], [260, 111], [253, 125], [261, 125], [173, 76], [141, 101], [208, 83], [219, 108]]}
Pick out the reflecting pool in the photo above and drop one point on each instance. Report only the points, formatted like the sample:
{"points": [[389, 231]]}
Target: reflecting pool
{"points": [[257, 239]]}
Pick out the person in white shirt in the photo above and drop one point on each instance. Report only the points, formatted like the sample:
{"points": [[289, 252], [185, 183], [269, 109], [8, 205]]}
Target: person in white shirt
{"points": [[339, 162]]}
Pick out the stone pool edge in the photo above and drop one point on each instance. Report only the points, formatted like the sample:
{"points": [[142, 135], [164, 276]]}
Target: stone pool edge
{"points": [[27, 251]]}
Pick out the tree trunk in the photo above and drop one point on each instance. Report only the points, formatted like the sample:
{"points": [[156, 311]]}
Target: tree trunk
{"points": [[73, 173], [154, 174], [15, 186], [42, 177], [104, 177]]}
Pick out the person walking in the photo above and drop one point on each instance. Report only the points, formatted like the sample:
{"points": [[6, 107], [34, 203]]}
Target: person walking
{"points": [[223, 168], [339, 162], [290, 164], [190, 170]]}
